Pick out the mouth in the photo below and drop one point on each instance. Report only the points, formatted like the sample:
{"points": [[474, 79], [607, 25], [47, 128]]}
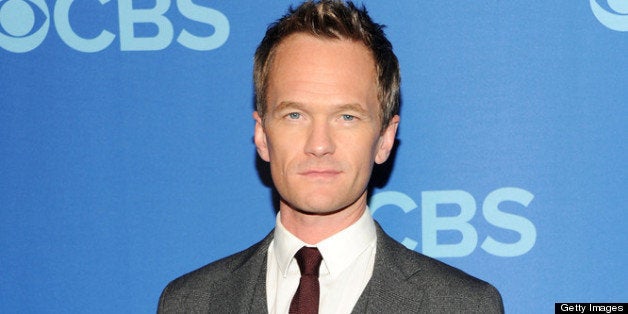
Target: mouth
{"points": [[321, 174]]}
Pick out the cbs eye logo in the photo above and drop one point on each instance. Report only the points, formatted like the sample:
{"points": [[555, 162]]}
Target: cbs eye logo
{"points": [[613, 16], [24, 24]]}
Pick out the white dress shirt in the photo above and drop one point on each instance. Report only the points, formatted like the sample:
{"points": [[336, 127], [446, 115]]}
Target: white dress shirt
{"points": [[348, 259]]}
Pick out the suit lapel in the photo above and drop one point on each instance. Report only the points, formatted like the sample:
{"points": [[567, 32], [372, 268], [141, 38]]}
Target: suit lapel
{"points": [[258, 303], [390, 289], [250, 280]]}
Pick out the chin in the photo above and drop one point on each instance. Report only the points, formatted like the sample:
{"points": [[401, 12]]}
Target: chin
{"points": [[321, 206]]}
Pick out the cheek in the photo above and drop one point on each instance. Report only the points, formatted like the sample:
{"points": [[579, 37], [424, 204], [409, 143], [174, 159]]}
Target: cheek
{"points": [[362, 156], [365, 145], [280, 153]]}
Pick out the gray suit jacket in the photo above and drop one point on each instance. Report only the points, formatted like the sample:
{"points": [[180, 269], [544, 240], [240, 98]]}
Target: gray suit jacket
{"points": [[403, 281]]}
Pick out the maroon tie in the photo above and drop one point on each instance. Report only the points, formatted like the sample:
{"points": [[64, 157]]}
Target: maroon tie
{"points": [[305, 300]]}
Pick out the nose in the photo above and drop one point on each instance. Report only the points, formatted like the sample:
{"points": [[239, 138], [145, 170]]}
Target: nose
{"points": [[320, 140]]}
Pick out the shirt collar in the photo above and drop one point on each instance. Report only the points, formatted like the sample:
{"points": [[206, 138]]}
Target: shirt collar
{"points": [[338, 251]]}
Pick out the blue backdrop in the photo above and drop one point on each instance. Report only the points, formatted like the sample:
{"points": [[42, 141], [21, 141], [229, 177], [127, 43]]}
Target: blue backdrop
{"points": [[126, 152]]}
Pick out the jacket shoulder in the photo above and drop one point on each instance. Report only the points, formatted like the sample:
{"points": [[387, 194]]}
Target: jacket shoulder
{"points": [[221, 280], [440, 287]]}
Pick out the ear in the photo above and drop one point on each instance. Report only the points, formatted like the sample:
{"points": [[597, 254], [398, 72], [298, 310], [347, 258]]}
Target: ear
{"points": [[260, 138], [387, 140]]}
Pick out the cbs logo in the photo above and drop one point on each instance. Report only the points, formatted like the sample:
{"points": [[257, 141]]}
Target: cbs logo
{"points": [[434, 223], [613, 15], [24, 24], [18, 20]]}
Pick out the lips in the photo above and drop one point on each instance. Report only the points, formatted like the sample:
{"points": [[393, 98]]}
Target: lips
{"points": [[320, 173]]}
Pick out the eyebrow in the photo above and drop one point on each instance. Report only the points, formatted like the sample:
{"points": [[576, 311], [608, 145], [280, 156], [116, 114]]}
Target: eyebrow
{"points": [[286, 105], [354, 107]]}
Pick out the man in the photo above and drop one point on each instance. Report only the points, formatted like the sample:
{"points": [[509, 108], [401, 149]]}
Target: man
{"points": [[327, 97]]}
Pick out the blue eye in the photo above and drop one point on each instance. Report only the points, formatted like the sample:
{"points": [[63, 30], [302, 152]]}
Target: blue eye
{"points": [[294, 115], [347, 117]]}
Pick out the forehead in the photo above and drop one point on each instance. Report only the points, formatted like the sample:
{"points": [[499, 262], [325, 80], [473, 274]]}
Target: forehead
{"points": [[311, 48], [304, 64]]}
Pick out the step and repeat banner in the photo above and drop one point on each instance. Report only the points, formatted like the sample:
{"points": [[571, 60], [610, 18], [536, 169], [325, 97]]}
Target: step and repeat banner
{"points": [[127, 159]]}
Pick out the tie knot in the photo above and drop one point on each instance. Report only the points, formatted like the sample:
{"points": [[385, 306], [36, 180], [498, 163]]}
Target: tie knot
{"points": [[309, 260]]}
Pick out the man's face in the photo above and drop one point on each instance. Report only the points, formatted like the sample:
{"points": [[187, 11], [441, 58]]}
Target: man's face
{"points": [[322, 130]]}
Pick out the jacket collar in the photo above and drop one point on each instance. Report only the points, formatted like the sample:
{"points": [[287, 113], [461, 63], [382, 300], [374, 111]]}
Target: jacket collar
{"points": [[392, 285]]}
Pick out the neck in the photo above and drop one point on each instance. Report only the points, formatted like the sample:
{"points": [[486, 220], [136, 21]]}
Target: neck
{"points": [[314, 228]]}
